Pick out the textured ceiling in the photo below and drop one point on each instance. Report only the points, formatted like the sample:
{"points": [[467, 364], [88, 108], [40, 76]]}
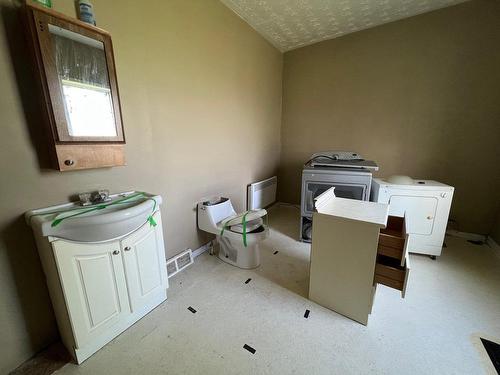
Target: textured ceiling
{"points": [[290, 24]]}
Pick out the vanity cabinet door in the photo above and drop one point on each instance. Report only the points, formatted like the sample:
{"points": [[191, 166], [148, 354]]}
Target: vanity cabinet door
{"points": [[94, 287], [145, 265]]}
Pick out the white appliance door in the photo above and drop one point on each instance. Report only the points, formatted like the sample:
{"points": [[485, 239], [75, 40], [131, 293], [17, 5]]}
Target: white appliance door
{"points": [[420, 212]]}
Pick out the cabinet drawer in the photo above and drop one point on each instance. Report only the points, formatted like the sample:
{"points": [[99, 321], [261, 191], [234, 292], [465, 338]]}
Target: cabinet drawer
{"points": [[75, 156], [392, 239], [389, 272]]}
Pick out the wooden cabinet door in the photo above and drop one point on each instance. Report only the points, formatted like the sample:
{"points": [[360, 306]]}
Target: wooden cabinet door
{"points": [[145, 265], [77, 66], [94, 287], [76, 77]]}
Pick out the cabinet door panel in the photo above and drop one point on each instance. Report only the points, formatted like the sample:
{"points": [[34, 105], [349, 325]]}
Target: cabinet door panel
{"points": [[100, 293], [94, 286], [145, 264], [420, 212]]}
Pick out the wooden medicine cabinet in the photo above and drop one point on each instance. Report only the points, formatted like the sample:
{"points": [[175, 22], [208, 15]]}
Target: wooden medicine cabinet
{"points": [[79, 87]]}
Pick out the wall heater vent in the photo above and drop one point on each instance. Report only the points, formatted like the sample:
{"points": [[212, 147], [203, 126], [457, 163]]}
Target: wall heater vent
{"points": [[179, 262], [262, 194]]}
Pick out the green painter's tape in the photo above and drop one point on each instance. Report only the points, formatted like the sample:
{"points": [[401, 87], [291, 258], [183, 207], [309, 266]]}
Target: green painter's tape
{"points": [[58, 221], [244, 223], [150, 219], [245, 229]]}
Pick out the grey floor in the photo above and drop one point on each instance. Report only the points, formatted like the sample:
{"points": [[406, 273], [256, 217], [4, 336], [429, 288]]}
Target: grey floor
{"points": [[434, 330]]}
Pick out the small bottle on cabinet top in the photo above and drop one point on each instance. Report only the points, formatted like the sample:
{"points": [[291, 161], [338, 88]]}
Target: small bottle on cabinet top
{"points": [[86, 11]]}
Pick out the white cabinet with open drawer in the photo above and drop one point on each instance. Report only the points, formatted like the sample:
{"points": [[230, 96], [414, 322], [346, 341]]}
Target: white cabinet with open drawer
{"points": [[356, 245]]}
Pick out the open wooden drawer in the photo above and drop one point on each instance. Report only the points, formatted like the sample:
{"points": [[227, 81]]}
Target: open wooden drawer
{"points": [[393, 239], [392, 268], [389, 272]]}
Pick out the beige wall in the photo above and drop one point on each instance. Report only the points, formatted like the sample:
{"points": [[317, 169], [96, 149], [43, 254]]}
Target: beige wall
{"points": [[201, 100], [420, 96]]}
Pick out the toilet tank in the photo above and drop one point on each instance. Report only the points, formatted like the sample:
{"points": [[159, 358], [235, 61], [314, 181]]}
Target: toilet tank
{"points": [[212, 212]]}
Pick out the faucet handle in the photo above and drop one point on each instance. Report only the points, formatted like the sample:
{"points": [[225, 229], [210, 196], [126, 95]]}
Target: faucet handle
{"points": [[104, 194], [100, 196], [85, 198]]}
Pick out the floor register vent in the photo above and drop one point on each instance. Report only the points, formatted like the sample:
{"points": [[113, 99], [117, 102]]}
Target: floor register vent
{"points": [[179, 262]]}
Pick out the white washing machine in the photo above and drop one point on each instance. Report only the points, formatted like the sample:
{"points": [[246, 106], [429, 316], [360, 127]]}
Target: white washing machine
{"points": [[427, 205]]}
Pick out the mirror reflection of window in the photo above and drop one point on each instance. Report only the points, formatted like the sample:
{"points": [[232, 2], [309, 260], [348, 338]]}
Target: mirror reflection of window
{"points": [[82, 70]]}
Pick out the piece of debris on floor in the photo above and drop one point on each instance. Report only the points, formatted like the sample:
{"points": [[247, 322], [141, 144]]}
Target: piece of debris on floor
{"points": [[249, 348], [306, 314], [248, 280], [276, 252], [191, 309], [493, 350]]}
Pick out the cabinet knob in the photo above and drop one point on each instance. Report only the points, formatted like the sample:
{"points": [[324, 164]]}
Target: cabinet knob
{"points": [[429, 217], [69, 162], [127, 248], [116, 252]]}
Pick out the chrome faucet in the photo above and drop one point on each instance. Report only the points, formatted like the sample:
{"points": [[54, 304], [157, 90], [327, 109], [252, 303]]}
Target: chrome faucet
{"points": [[94, 197], [100, 196]]}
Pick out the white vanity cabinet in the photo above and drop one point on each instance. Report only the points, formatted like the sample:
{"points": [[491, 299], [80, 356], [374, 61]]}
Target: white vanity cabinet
{"points": [[356, 246], [99, 289]]}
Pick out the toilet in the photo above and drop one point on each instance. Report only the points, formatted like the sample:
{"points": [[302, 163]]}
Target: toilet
{"points": [[239, 235]]}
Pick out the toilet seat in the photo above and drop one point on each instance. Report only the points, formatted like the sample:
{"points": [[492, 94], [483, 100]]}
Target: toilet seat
{"points": [[239, 235], [250, 226], [248, 216], [253, 220]]}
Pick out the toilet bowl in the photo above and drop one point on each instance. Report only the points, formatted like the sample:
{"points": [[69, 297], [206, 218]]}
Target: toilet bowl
{"points": [[239, 235]]}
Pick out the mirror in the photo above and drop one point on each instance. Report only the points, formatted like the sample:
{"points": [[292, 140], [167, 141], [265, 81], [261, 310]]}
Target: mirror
{"points": [[83, 75]]}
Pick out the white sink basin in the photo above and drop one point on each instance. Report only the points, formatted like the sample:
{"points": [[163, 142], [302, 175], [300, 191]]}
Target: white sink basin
{"points": [[117, 218]]}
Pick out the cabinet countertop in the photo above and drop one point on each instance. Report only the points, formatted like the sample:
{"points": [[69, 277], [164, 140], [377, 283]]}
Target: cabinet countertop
{"points": [[370, 212]]}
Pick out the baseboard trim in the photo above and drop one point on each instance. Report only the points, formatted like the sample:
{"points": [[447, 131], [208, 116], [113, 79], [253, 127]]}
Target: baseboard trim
{"points": [[202, 249], [466, 235], [492, 243], [279, 203]]}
